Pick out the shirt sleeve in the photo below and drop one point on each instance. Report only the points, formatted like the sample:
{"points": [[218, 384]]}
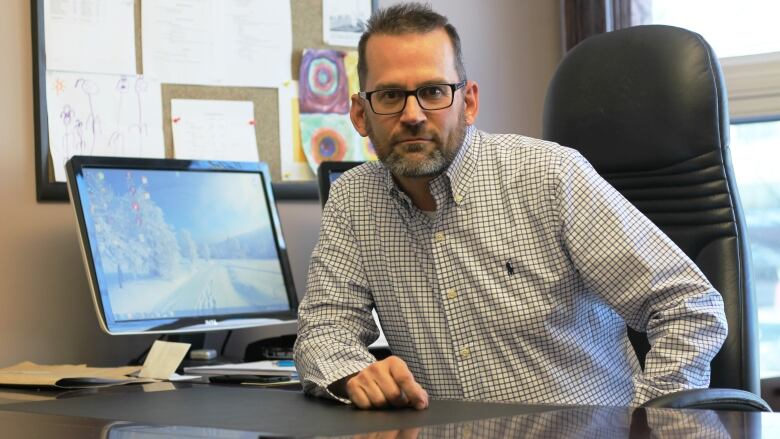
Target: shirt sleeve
{"points": [[335, 324], [637, 270]]}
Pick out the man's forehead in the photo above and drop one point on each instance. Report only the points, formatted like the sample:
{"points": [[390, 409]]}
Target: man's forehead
{"points": [[422, 51]]}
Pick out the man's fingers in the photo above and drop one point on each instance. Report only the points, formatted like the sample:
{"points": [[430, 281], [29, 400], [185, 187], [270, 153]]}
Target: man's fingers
{"points": [[416, 395], [375, 394], [386, 382], [393, 393], [358, 396], [367, 392]]}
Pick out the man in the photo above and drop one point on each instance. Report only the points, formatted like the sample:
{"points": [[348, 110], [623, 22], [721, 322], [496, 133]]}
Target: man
{"points": [[501, 267]]}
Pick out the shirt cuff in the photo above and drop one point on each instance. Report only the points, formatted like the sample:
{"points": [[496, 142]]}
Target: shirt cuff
{"points": [[320, 389]]}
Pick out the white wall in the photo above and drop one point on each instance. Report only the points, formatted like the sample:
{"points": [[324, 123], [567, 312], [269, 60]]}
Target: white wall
{"points": [[511, 48]]}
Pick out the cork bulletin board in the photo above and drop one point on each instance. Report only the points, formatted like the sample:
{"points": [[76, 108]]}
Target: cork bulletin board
{"points": [[307, 33]]}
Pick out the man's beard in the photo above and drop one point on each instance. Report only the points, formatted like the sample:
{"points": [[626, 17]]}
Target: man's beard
{"points": [[438, 160]]}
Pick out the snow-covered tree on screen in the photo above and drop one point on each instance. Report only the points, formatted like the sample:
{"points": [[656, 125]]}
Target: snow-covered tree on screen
{"points": [[119, 252], [189, 250], [153, 232]]}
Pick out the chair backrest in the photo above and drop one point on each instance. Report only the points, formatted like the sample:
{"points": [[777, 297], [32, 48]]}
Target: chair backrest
{"points": [[647, 107]]}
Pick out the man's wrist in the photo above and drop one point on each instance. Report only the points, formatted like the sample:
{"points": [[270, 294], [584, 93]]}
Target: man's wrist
{"points": [[339, 387]]}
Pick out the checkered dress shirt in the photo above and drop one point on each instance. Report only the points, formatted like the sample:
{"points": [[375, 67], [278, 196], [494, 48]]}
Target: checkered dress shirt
{"points": [[518, 289]]}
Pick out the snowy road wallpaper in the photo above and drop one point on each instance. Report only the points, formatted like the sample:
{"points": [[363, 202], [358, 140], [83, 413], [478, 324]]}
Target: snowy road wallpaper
{"points": [[181, 244]]}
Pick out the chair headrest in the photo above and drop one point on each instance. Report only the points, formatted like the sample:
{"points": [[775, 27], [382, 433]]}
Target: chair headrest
{"points": [[644, 97]]}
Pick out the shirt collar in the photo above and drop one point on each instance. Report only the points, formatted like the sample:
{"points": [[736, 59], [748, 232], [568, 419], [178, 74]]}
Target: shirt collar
{"points": [[462, 167]]}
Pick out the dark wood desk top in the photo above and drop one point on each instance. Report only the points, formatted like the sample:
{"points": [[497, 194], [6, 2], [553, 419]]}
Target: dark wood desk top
{"points": [[166, 410]]}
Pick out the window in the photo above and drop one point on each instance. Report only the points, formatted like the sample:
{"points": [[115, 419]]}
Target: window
{"points": [[755, 154], [742, 35], [733, 28]]}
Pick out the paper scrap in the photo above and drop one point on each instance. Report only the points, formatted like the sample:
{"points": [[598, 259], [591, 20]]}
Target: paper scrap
{"points": [[214, 130], [163, 359]]}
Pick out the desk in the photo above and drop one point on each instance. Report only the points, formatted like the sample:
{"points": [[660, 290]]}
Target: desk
{"points": [[166, 410]]}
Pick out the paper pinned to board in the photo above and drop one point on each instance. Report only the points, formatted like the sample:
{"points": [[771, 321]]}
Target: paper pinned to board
{"points": [[214, 130], [90, 36], [344, 22], [67, 376], [217, 42], [163, 359], [111, 115]]}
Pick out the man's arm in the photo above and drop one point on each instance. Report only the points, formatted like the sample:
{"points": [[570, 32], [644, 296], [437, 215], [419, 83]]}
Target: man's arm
{"points": [[628, 262], [335, 326]]}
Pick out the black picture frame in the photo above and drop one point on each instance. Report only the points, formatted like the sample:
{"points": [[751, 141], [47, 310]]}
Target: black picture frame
{"points": [[49, 190]]}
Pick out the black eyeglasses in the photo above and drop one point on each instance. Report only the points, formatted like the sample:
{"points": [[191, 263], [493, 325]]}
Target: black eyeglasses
{"points": [[429, 97]]}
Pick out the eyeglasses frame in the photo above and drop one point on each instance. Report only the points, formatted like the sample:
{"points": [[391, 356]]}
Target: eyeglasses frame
{"points": [[455, 86]]}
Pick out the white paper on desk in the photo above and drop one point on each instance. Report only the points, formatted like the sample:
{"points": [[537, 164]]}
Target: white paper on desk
{"points": [[214, 130], [90, 35], [218, 42], [252, 368], [343, 22], [96, 114]]}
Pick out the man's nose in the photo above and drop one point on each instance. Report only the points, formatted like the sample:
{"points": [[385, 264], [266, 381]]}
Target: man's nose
{"points": [[413, 114]]}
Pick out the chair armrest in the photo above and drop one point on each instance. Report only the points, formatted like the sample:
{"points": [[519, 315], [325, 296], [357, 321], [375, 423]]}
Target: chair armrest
{"points": [[712, 399]]}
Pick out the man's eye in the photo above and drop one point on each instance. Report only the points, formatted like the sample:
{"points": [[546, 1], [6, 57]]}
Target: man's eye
{"points": [[388, 95], [432, 92]]}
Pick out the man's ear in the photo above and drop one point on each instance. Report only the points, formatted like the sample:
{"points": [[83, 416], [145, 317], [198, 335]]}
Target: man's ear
{"points": [[472, 102], [357, 112]]}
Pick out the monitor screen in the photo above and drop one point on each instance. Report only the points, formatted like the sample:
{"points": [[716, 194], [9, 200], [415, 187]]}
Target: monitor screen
{"points": [[179, 245]]}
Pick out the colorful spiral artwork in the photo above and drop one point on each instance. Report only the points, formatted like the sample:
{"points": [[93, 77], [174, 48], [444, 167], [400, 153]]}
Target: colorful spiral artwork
{"points": [[323, 84], [328, 144], [329, 137]]}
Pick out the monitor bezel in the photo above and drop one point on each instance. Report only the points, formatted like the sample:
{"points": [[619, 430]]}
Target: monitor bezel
{"points": [[323, 176], [74, 169]]}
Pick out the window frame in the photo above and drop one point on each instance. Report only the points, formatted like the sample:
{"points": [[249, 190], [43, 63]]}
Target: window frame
{"points": [[753, 87]]}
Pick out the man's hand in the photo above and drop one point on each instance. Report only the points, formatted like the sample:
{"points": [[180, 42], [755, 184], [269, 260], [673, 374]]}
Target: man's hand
{"points": [[386, 382]]}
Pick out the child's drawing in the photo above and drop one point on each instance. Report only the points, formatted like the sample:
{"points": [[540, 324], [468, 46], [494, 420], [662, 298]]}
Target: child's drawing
{"points": [[113, 115]]}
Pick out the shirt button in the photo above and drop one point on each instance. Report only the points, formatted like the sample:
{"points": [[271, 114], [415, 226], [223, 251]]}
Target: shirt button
{"points": [[458, 198], [438, 236], [451, 293], [464, 353]]}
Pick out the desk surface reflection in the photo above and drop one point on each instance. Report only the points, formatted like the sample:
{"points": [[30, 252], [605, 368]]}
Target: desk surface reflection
{"points": [[245, 412]]}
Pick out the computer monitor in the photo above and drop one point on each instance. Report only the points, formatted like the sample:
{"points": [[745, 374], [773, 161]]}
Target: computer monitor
{"points": [[176, 246], [327, 173]]}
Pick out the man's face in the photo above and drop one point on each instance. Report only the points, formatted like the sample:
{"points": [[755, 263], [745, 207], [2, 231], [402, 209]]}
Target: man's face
{"points": [[415, 142]]}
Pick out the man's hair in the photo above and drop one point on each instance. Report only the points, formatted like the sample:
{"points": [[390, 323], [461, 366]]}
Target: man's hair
{"points": [[407, 18]]}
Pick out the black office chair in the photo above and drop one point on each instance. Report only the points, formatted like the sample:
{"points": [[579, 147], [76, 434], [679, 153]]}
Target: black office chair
{"points": [[647, 107]]}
